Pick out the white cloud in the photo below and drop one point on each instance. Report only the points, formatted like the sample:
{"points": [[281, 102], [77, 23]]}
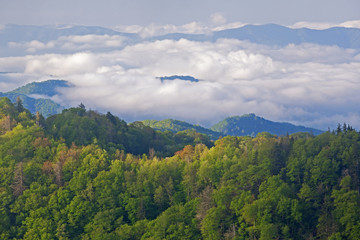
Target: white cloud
{"points": [[72, 43], [90, 42], [218, 19], [228, 26], [32, 46], [306, 84], [60, 65], [161, 29], [351, 24], [325, 25], [218, 23]]}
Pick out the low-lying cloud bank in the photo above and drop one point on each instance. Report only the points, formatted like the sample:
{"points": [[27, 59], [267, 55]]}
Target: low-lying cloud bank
{"points": [[306, 84]]}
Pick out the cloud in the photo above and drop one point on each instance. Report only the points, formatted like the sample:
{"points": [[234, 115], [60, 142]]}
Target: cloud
{"points": [[305, 84], [325, 25], [90, 42], [32, 46], [218, 23], [60, 65], [308, 52], [218, 19], [72, 43], [152, 29]]}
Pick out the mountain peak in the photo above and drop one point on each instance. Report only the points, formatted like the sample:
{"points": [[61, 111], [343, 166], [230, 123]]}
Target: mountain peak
{"points": [[173, 125], [251, 124], [36, 96], [47, 88], [178, 77]]}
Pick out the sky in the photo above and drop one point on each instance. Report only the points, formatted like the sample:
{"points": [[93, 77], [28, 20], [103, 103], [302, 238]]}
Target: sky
{"points": [[306, 84], [177, 12]]}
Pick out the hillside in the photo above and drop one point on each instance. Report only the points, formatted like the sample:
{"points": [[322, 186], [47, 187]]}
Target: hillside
{"points": [[251, 125], [63, 179], [36, 96], [246, 125], [47, 88], [177, 126]]}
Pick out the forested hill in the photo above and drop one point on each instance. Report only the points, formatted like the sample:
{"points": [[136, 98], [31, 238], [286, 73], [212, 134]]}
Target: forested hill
{"points": [[73, 176], [36, 96], [83, 127], [251, 125], [246, 125], [47, 88], [177, 126]]}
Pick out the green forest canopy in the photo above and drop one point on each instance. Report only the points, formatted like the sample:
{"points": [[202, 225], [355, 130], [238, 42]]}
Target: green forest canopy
{"points": [[55, 184]]}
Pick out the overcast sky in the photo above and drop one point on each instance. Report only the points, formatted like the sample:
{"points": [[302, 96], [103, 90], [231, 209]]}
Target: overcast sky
{"points": [[178, 12]]}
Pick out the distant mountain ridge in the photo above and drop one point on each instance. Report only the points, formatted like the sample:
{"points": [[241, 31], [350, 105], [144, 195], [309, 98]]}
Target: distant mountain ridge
{"points": [[36, 96], [245, 125], [47, 88], [268, 34], [177, 126], [23, 33], [251, 125], [13, 33], [273, 34]]}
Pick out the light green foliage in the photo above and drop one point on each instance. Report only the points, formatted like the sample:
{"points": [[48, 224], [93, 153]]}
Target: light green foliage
{"points": [[266, 187], [176, 126], [82, 127]]}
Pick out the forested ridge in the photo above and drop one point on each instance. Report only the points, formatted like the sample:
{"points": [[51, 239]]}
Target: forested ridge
{"points": [[44, 91], [85, 175]]}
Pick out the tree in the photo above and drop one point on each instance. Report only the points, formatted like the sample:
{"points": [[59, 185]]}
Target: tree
{"points": [[82, 106], [18, 185], [7, 124], [347, 209], [39, 120], [19, 106]]}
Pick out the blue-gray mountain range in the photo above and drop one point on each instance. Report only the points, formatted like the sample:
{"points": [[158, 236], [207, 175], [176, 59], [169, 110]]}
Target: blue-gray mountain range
{"points": [[269, 34]]}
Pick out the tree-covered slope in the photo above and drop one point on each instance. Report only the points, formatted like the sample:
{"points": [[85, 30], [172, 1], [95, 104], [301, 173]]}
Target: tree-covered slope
{"points": [[47, 88], [80, 126], [44, 106], [177, 126], [291, 187], [251, 125], [36, 96]]}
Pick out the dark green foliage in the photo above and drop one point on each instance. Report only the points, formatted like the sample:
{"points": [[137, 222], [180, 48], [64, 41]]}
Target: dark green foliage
{"points": [[251, 125], [177, 126], [264, 187], [43, 91], [76, 125], [46, 88], [46, 107], [82, 127]]}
